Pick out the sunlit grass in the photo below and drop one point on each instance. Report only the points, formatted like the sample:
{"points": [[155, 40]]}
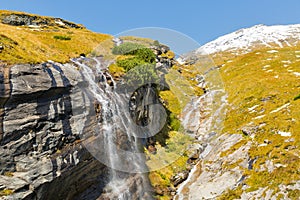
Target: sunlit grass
{"points": [[168, 161], [262, 92], [6, 192], [23, 44]]}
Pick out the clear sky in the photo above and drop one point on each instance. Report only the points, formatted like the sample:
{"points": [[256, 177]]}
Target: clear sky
{"points": [[203, 20]]}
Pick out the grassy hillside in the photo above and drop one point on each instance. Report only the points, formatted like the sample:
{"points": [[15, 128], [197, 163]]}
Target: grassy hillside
{"points": [[35, 39], [263, 92]]}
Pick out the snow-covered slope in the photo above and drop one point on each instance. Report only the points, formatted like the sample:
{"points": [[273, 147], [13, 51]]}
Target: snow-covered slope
{"points": [[249, 38]]}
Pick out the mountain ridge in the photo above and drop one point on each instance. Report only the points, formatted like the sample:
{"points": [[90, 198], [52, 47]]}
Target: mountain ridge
{"points": [[247, 39]]}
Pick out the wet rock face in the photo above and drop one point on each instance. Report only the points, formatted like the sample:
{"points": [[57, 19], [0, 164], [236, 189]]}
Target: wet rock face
{"points": [[41, 155], [209, 179], [39, 111], [139, 104]]}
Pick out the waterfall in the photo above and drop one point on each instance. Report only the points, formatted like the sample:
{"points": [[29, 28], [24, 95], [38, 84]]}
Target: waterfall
{"points": [[116, 141]]}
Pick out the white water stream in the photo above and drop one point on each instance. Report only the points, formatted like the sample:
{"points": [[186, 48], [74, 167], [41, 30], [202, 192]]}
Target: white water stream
{"points": [[116, 142]]}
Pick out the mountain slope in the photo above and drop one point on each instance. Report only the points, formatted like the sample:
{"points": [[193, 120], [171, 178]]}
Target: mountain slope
{"points": [[262, 89], [248, 39], [257, 154], [26, 38]]}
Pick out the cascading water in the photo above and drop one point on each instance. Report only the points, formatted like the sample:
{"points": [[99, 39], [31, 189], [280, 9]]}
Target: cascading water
{"points": [[117, 138], [203, 117]]}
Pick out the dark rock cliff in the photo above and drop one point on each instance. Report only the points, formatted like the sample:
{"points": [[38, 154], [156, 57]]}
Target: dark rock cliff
{"points": [[42, 156]]}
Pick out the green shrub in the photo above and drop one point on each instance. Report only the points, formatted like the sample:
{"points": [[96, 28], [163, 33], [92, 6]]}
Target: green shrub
{"points": [[130, 63], [145, 54], [141, 75], [61, 37], [178, 142], [142, 55], [297, 97], [127, 48], [174, 122]]}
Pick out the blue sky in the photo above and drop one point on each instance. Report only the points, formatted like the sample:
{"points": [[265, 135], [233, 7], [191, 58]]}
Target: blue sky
{"points": [[202, 20]]}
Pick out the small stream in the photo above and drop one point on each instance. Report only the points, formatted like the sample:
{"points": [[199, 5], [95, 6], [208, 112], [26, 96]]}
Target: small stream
{"points": [[203, 118]]}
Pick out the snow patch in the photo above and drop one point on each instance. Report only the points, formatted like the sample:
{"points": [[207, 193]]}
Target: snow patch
{"points": [[280, 108], [284, 134], [59, 22], [181, 61], [247, 38], [286, 61], [259, 117], [266, 66], [297, 73], [252, 109], [272, 51]]}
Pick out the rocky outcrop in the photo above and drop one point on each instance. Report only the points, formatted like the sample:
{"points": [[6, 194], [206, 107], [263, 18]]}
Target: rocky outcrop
{"points": [[41, 154], [4, 93], [209, 178], [20, 19]]}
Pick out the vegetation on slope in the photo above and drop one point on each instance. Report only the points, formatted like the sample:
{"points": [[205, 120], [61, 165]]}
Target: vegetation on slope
{"points": [[133, 55], [43, 38], [263, 90], [135, 62], [170, 158], [263, 93], [6, 192], [176, 148]]}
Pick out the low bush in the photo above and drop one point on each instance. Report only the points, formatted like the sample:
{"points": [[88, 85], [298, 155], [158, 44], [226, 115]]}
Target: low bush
{"points": [[130, 63], [126, 48], [174, 122], [61, 37], [141, 75], [145, 54], [142, 55]]}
